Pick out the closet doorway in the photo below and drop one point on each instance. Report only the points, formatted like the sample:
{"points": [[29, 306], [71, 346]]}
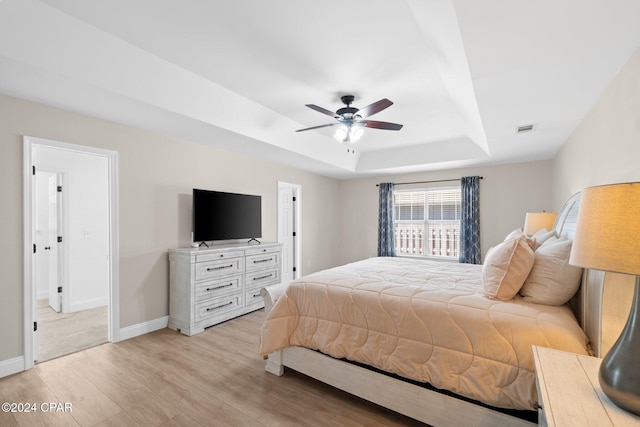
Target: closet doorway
{"points": [[70, 224]]}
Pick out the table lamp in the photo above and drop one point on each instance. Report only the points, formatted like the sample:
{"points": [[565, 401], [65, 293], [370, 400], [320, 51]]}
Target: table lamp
{"points": [[607, 238], [536, 221]]}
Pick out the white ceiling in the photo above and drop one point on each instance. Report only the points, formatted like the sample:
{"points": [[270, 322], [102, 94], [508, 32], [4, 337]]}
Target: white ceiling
{"points": [[462, 74]]}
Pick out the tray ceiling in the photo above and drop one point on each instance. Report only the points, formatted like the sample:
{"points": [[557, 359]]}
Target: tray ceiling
{"points": [[463, 74]]}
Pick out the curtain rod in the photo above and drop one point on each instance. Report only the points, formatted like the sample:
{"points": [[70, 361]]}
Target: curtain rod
{"points": [[425, 182]]}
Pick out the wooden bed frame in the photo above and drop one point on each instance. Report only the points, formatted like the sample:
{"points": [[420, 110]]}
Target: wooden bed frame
{"points": [[429, 406]]}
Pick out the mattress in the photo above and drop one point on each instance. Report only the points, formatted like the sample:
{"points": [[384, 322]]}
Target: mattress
{"points": [[423, 320]]}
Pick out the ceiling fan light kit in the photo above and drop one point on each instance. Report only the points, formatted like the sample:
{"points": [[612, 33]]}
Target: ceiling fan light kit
{"points": [[350, 133], [351, 120]]}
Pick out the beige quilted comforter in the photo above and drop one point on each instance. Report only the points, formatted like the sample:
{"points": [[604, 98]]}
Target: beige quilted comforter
{"points": [[423, 320]]}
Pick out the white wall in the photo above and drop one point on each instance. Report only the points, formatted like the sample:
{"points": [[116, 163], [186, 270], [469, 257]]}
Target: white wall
{"points": [[507, 193], [86, 225], [605, 147]]}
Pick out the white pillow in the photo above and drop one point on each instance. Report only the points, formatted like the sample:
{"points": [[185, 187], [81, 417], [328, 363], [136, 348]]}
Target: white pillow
{"points": [[506, 267], [552, 281], [542, 236]]}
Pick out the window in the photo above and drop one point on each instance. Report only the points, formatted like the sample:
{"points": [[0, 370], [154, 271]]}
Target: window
{"points": [[427, 222]]}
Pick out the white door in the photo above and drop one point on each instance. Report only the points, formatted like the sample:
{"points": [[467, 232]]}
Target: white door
{"points": [[54, 208], [287, 231]]}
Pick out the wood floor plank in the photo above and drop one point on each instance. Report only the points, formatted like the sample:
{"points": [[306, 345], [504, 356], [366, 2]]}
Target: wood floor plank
{"points": [[144, 405], [89, 404], [28, 387], [119, 420], [168, 379], [6, 418], [60, 334]]}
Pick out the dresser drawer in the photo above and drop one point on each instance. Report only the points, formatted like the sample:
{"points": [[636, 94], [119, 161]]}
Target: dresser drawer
{"points": [[216, 307], [258, 250], [216, 288], [261, 278], [542, 420], [219, 255], [263, 261], [253, 298], [223, 267]]}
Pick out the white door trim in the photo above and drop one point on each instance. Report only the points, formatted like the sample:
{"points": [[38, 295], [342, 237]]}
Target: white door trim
{"points": [[28, 238], [297, 208]]}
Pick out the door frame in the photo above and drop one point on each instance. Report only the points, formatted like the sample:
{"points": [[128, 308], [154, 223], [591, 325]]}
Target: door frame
{"points": [[28, 223], [297, 222]]}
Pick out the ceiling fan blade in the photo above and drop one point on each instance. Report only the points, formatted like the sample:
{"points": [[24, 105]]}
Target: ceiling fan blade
{"points": [[322, 110], [374, 108], [318, 127], [380, 125]]}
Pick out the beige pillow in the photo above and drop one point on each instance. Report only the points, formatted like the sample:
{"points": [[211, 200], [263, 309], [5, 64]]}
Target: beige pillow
{"points": [[552, 281], [506, 267], [531, 241]]}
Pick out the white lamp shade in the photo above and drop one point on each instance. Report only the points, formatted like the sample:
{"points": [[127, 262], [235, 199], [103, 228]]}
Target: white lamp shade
{"points": [[536, 221], [608, 229]]}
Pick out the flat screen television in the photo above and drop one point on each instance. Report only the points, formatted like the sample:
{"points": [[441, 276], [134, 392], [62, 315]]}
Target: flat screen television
{"points": [[226, 216]]}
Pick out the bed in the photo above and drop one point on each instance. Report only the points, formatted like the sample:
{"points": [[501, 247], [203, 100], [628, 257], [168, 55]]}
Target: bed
{"points": [[425, 333]]}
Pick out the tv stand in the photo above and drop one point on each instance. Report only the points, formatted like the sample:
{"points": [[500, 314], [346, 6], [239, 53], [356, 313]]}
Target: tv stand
{"points": [[210, 286], [252, 240]]}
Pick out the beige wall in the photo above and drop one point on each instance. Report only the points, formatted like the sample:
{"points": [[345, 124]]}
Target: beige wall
{"points": [[339, 218], [156, 177], [507, 192], [605, 147]]}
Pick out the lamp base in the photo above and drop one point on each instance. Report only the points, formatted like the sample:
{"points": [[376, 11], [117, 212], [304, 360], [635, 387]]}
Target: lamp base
{"points": [[620, 371]]}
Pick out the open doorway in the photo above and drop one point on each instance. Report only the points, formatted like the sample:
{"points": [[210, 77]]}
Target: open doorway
{"points": [[70, 279]]}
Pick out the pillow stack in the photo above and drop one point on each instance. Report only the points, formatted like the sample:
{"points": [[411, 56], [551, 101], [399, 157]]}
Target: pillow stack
{"points": [[537, 267]]}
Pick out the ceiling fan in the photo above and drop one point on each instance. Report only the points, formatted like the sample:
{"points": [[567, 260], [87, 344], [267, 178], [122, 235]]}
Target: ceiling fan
{"points": [[351, 121]]}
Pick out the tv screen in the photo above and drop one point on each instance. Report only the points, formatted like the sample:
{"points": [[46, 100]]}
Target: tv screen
{"points": [[226, 216]]}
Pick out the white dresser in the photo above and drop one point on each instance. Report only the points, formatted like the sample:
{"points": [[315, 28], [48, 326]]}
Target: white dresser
{"points": [[210, 285]]}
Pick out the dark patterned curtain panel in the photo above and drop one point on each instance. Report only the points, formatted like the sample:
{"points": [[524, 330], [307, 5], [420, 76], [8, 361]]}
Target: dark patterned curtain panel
{"points": [[470, 220], [386, 239]]}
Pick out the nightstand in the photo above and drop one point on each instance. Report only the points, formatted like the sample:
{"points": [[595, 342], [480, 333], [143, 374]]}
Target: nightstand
{"points": [[569, 392]]}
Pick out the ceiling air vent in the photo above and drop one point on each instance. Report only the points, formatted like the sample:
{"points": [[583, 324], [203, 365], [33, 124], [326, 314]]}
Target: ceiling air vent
{"points": [[525, 128]]}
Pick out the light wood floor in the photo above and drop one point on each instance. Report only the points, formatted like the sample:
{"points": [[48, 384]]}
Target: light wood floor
{"points": [[167, 379], [60, 334]]}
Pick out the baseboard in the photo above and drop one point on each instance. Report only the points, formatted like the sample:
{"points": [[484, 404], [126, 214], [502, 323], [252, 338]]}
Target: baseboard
{"points": [[11, 366], [87, 305], [142, 328]]}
